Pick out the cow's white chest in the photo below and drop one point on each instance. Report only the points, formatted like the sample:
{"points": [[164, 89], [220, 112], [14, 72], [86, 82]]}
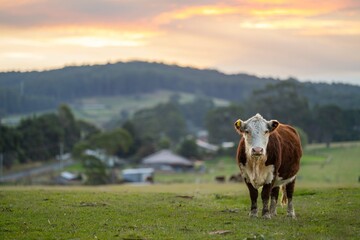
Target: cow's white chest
{"points": [[257, 173]]}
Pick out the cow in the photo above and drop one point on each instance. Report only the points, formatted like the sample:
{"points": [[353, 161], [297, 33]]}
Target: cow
{"points": [[220, 179], [268, 156]]}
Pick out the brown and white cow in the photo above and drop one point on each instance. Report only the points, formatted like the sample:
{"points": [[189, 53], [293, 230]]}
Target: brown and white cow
{"points": [[268, 156]]}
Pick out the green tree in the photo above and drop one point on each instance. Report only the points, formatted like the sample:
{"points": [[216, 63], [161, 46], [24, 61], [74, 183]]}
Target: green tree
{"points": [[71, 130], [87, 129], [9, 145], [303, 137], [113, 142], [40, 137], [162, 120], [189, 149], [282, 101], [137, 141], [95, 171], [220, 123], [195, 111], [116, 142], [164, 143], [330, 121]]}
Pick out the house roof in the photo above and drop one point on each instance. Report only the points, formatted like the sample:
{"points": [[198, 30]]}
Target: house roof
{"points": [[166, 157]]}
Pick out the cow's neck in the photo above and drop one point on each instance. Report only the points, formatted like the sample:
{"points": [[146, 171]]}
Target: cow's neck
{"points": [[258, 173]]}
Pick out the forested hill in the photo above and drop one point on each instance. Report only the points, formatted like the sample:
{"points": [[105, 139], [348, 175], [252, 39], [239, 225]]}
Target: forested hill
{"points": [[32, 91]]}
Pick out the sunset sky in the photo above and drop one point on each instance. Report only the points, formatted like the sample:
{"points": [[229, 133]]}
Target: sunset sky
{"points": [[306, 39]]}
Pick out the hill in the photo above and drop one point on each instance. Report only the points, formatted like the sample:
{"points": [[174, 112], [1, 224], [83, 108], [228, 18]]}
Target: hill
{"points": [[24, 92]]}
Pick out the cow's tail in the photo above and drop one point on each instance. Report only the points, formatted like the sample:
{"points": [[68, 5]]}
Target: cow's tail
{"points": [[284, 198]]}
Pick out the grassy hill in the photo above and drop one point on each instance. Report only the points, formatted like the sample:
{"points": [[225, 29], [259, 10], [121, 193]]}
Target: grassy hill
{"points": [[27, 92], [101, 110]]}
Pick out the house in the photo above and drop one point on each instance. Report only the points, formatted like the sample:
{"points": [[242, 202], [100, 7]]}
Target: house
{"points": [[166, 160]]}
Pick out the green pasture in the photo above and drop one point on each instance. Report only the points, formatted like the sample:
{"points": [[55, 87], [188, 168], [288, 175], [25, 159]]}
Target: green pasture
{"points": [[173, 211], [101, 110], [338, 164], [192, 205]]}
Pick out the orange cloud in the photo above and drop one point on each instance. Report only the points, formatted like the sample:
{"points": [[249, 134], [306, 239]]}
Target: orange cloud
{"points": [[302, 8], [305, 16], [84, 36], [189, 12]]}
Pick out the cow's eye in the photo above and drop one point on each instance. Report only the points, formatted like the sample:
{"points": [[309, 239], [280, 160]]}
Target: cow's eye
{"points": [[267, 131], [247, 131]]}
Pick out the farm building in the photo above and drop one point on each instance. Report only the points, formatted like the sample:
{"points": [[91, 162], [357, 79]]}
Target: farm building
{"points": [[166, 160], [138, 175]]}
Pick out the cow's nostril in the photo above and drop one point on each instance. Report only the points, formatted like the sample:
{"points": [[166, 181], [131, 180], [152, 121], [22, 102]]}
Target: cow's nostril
{"points": [[257, 150]]}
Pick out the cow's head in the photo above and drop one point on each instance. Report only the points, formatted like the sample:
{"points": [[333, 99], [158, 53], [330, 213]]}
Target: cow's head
{"points": [[256, 131]]}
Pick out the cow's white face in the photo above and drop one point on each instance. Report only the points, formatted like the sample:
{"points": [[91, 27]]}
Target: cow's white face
{"points": [[256, 131]]}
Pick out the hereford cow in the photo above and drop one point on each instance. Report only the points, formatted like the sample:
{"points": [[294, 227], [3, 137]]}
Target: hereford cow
{"points": [[268, 155]]}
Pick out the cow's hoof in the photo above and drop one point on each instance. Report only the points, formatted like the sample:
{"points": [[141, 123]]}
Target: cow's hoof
{"points": [[266, 216], [273, 214], [291, 215], [253, 213]]}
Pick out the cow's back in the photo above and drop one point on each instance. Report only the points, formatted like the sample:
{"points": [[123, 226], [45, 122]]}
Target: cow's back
{"points": [[284, 151]]}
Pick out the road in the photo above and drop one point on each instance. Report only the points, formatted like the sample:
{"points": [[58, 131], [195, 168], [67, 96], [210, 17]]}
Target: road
{"points": [[36, 171]]}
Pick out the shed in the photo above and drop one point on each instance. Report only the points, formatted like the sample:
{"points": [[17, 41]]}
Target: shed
{"points": [[138, 175], [166, 160]]}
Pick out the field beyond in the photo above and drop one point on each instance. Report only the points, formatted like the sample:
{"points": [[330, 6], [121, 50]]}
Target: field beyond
{"points": [[173, 211]]}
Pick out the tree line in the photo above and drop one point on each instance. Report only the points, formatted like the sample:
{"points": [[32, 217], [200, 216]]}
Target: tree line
{"points": [[283, 101], [41, 138], [286, 102]]}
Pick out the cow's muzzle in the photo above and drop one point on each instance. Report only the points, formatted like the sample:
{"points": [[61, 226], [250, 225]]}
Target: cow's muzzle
{"points": [[257, 151]]}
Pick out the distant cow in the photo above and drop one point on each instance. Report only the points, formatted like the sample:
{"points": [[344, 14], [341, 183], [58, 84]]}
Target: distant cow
{"points": [[236, 178], [268, 155], [220, 179]]}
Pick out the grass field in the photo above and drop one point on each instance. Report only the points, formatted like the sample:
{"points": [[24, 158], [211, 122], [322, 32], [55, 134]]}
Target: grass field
{"points": [[180, 211], [339, 164], [326, 201]]}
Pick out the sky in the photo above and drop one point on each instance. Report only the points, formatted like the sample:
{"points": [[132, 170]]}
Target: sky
{"points": [[306, 39]]}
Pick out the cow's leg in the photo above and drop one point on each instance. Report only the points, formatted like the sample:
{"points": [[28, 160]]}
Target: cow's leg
{"points": [[253, 196], [265, 195], [274, 199], [289, 193]]}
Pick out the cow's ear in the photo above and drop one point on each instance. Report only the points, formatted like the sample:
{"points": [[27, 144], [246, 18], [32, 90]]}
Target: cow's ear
{"points": [[239, 126], [272, 125]]}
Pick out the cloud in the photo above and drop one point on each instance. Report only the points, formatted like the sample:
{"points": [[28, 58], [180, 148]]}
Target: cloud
{"points": [[305, 15], [33, 13], [266, 37]]}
